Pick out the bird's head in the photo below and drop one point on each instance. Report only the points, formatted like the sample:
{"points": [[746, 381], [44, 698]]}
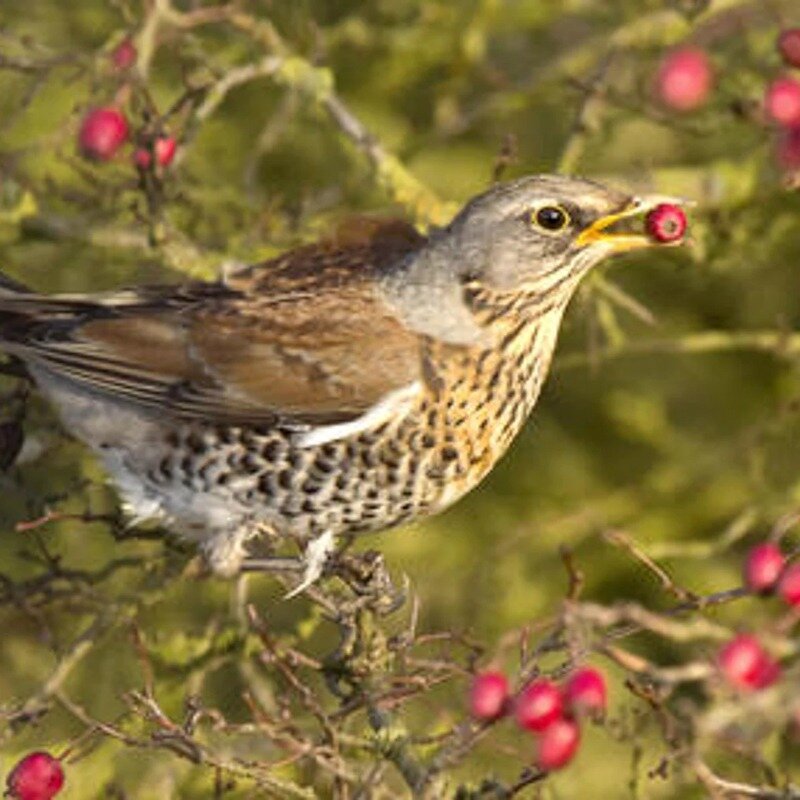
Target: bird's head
{"points": [[546, 229]]}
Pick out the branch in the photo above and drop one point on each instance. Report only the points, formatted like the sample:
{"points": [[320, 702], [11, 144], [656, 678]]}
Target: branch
{"points": [[318, 84], [777, 343], [104, 622], [735, 790]]}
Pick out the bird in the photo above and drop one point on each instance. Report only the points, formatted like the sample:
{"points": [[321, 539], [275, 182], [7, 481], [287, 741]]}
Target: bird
{"points": [[343, 387]]}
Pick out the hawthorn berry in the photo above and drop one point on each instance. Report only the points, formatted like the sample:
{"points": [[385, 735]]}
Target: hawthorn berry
{"points": [[787, 150], [488, 697], [746, 665], [557, 744], [586, 692], [164, 148], [538, 705], [38, 776], [142, 158], [666, 223], [762, 567], [102, 133], [685, 79], [124, 55], [789, 46], [782, 101], [789, 584]]}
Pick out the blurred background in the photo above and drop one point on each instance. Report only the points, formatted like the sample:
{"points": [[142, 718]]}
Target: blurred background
{"points": [[671, 413]]}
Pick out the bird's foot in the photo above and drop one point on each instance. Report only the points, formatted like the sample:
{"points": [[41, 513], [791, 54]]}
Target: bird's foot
{"points": [[310, 565], [366, 574]]}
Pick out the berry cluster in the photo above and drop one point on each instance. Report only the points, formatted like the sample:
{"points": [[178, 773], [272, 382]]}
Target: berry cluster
{"points": [[37, 776], [743, 661], [766, 572], [685, 80], [548, 710], [105, 130]]}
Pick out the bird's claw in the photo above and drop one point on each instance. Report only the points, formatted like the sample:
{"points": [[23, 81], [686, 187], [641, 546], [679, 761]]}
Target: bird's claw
{"points": [[314, 559]]}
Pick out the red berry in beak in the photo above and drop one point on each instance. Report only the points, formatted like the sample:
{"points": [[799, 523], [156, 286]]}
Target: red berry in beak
{"points": [[666, 223]]}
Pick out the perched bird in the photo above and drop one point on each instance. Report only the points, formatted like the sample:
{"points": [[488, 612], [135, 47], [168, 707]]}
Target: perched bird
{"points": [[343, 387]]}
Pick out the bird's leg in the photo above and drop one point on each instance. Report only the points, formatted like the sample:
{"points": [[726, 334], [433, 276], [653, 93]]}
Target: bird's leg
{"points": [[364, 573], [273, 564], [311, 564]]}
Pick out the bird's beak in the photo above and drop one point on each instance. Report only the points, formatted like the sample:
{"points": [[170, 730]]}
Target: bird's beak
{"points": [[625, 230]]}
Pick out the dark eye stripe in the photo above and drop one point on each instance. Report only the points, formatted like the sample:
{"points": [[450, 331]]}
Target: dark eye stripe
{"points": [[551, 218]]}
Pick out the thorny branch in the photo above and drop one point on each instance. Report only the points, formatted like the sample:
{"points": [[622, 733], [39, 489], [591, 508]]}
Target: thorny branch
{"points": [[377, 675]]}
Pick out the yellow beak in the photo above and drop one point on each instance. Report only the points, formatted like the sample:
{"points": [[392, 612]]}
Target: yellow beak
{"points": [[622, 240]]}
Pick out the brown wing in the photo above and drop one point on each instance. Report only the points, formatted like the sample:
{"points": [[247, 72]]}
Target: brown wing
{"points": [[304, 338]]}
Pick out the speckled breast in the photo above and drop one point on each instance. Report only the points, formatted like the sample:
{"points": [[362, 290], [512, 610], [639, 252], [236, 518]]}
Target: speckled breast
{"points": [[468, 414]]}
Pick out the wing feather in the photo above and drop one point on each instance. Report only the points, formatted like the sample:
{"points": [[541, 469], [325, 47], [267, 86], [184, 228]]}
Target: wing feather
{"points": [[304, 339]]}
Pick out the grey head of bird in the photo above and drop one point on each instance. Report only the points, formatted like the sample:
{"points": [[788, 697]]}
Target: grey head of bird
{"points": [[536, 236]]}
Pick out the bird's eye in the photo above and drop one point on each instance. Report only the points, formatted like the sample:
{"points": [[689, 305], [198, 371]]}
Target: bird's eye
{"points": [[550, 218]]}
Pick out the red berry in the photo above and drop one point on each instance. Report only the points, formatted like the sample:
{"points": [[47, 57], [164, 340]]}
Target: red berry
{"points": [[488, 695], [782, 101], [787, 151], [142, 158], [685, 79], [789, 46], [538, 705], [102, 133], [666, 223], [557, 744], [124, 55], [763, 567], [746, 665], [164, 147], [38, 776], [794, 723], [586, 691], [789, 584], [769, 673]]}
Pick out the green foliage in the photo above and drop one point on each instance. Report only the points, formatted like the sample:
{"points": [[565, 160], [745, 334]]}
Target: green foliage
{"points": [[671, 413]]}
